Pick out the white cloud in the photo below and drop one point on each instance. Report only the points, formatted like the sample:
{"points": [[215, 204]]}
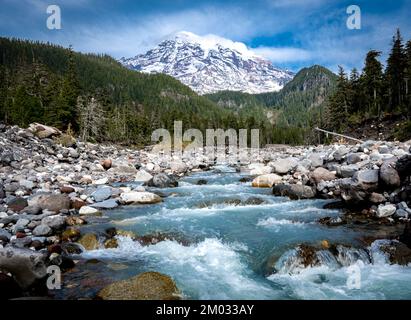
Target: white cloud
{"points": [[284, 54]]}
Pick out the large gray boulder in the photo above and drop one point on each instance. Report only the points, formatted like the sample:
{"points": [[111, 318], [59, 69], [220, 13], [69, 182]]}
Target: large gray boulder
{"points": [[101, 194], [367, 179], [294, 191], [4, 235], [54, 222], [317, 160], [284, 166], [389, 175], [353, 158], [41, 131], [340, 153], [384, 211], [25, 265], [322, 174], [42, 230], [348, 171], [162, 180], [54, 202]]}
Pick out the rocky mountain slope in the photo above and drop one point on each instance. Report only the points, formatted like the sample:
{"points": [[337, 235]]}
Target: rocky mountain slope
{"points": [[209, 64]]}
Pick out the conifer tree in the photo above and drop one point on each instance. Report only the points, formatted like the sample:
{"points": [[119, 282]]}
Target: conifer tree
{"points": [[394, 73], [337, 113], [372, 82]]}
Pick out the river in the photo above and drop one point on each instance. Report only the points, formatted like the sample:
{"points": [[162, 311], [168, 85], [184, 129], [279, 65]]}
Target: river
{"points": [[232, 238]]}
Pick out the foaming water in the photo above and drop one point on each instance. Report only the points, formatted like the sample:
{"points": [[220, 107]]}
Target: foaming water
{"points": [[246, 245], [210, 269]]}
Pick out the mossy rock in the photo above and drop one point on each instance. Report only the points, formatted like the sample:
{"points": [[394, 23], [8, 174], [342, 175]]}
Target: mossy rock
{"points": [[89, 241], [145, 286], [111, 243], [71, 234]]}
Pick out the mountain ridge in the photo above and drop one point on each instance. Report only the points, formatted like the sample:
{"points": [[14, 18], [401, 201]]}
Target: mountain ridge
{"points": [[209, 64]]}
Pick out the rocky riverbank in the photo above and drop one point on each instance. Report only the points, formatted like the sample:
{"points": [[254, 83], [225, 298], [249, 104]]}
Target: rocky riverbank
{"points": [[50, 184]]}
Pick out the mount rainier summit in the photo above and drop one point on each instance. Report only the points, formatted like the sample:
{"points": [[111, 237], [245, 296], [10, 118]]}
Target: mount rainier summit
{"points": [[208, 64]]}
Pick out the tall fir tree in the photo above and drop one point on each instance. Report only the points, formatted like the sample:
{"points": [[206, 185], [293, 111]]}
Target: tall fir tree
{"points": [[394, 73], [372, 82], [338, 108], [66, 103], [408, 77]]}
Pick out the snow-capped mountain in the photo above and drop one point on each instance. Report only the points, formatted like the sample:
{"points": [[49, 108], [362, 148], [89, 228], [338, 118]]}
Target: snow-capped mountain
{"points": [[209, 64]]}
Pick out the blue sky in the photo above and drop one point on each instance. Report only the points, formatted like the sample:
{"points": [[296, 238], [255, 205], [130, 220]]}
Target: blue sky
{"points": [[291, 33]]}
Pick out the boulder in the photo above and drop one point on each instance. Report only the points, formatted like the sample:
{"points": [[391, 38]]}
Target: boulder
{"points": [[54, 202], [101, 194], [67, 189], [54, 222], [108, 204], [17, 204], [77, 203], [140, 197], [143, 176], [87, 210], [384, 211], [317, 160], [74, 221], [89, 241], [123, 170], [403, 166], [377, 198], [41, 131], [32, 210], [178, 167], [389, 175], [348, 171], [366, 179], [202, 182], [100, 182], [284, 166], [106, 164], [111, 243], [4, 235], [42, 230], [71, 234], [353, 158], [294, 191], [162, 180], [398, 252], [261, 170], [25, 265], [340, 153], [145, 286], [26, 184], [266, 181], [322, 174]]}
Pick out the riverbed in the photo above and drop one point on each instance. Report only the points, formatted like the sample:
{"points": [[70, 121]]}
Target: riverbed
{"points": [[231, 241]]}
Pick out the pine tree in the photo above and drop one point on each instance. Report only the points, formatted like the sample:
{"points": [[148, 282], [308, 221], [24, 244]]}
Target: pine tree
{"points": [[408, 77], [372, 82], [337, 112], [66, 112], [394, 73]]}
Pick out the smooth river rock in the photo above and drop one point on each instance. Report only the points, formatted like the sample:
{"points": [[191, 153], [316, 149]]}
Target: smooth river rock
{"points": [[145, 286]]}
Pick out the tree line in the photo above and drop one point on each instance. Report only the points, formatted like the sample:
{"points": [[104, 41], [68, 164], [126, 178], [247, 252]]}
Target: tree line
{"points": [[100, 100], [375, 91]]}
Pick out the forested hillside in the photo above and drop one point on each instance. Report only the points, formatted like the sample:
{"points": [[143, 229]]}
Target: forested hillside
{"points": [[375, 94], [97, 97]]}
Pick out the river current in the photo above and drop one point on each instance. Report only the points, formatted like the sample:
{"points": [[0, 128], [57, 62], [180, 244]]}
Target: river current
{"points": [[232, 241]]}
